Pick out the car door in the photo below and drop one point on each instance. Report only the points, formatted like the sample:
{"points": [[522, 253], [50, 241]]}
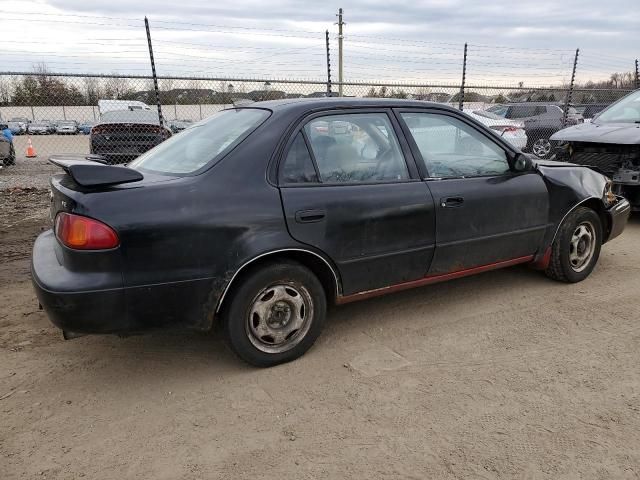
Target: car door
{"points": [[486, 212], [350, 188]]}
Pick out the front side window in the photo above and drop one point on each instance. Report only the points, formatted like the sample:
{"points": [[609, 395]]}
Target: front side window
{"points": [[356, 148], [451, 149], [204, 142]]}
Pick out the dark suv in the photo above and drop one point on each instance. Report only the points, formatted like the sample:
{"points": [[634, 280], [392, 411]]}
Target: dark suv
{"points": [[541, 120]]}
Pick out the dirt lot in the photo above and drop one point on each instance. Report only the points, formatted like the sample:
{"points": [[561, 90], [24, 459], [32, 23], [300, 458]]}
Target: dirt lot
{"points": [[504, 375]]}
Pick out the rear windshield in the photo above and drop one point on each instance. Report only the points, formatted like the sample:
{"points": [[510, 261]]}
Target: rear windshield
{"points": [[201, 143], [626, 110]]}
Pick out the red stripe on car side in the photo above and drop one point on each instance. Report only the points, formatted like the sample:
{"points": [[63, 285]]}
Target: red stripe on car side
{"points": [[431, 279]]}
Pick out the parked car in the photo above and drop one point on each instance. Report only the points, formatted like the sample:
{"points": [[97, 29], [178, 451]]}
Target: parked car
{"points": [[7, 149], [611, 143], [541, 120], [51, 126], [17, 128], [122, 135], [511, 130], [85, 127], [24, 121], [540, 129], [179, 125], [257, 219], [66, 127], [39, 128], [590, 110]]}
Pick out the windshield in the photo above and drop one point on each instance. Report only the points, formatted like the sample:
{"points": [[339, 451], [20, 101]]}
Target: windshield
{"points": [[626, 110], [202, 142]]}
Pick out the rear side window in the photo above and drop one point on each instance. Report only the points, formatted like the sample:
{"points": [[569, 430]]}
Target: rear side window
{"points": [[298, 165], [522, 111], [356, 148], [202, 143]]}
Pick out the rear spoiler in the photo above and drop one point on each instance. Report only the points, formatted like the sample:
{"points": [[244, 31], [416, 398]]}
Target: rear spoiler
{"points": [[93, 171]]}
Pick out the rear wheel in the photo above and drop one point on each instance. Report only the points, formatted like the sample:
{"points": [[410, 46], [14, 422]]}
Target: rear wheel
{"points": [[576, 249], [275, 314]]}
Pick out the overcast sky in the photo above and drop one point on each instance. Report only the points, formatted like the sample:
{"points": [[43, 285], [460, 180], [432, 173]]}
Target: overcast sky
{"points": [[413, 41]]}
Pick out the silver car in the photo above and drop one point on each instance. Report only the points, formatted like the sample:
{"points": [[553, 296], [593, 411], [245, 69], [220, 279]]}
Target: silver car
{"points": [[39, 128], [67, 127]]}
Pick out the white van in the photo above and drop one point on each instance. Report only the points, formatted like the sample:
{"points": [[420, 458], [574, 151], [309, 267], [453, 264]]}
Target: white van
{"points": [[114, 105]]}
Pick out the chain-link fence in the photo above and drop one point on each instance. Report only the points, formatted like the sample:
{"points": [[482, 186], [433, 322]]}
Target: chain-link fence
{"points": [[118, 117]]}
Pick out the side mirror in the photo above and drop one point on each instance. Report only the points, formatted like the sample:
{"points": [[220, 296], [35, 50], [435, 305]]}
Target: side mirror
{"points": [[522, 163]]}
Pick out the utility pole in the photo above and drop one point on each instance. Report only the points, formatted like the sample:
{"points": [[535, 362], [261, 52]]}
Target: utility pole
{"points": [[464, 76], [340, 37], [153, 72], [570, 92], [328, 66]]}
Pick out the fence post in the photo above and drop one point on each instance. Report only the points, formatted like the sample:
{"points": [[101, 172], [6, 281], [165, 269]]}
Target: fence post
{"points": [[464, 74], [33, 115], [637, 76], [200, 105], [64, 113], [570, 92], [329, 65], [153, 72], [340, 52]]}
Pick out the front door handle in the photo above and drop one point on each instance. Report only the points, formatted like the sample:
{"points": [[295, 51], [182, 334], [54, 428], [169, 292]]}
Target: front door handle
{"points": [[310, 216], [451, 202]]}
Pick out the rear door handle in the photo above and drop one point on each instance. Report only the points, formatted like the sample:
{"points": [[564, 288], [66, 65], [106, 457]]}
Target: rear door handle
{"points": [[451, 202], [310, 216]]}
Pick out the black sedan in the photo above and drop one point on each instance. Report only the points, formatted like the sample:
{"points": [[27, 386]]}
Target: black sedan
{"points": [[260, 217], [122, 135]]}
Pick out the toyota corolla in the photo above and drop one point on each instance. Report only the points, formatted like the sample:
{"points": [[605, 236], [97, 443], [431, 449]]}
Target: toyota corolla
{"points": [[260, 217]]}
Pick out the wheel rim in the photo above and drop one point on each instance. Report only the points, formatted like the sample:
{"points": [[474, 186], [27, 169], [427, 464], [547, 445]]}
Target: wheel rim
{"points": [[582, 246], [542, 147], [279, 317]]}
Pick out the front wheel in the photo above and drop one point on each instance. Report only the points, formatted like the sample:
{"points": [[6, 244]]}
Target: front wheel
{"points": [[542, 148], [276, 314], [576, 248]]}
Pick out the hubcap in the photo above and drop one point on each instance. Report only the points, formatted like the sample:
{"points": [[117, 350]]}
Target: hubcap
{"points": [[279, 318], [582, 246], [541, 147]]}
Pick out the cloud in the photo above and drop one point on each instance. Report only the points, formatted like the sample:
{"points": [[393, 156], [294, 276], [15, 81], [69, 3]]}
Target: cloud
{"points": [[381, 36]]}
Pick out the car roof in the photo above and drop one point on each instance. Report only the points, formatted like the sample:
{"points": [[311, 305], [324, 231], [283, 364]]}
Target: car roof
{"points": [[524, 104], [310, 104]]}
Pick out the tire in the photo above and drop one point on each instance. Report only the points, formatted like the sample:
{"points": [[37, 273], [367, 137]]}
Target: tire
{"points": [[573, 260], [275, 314]]}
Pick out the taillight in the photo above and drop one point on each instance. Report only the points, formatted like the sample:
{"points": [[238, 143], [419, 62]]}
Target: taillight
{"points": [[505, 129], [83, 233]]}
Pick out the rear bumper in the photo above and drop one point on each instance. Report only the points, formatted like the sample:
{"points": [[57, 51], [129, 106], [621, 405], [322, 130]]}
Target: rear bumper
{"points": [[76, 301], [618, 215], [99, 303]]}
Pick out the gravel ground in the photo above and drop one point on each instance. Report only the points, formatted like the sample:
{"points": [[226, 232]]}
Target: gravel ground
{"points": [[35, 172], [502, 375]]}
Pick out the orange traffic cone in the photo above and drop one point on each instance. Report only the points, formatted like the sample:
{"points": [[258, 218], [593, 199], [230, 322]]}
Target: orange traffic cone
{"points": [[31, 152]]}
